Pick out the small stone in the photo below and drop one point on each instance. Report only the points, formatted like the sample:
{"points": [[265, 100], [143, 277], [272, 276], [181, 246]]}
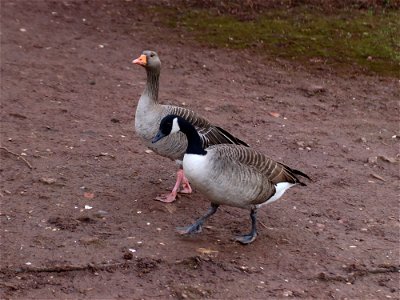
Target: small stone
{"points": [[100, 214], [128, 256], [274, 114], [287, 293], [385, 158], [88, 240], [300, 143], [312, 89], [363, 139], [47, 180]]}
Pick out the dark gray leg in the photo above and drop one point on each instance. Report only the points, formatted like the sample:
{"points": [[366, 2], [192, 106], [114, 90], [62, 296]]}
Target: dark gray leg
{"points": [[196, 226], [248, 238]]}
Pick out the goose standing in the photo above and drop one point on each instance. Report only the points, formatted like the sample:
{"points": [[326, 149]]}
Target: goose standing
{"points": [[149, 113], [229, 174]]}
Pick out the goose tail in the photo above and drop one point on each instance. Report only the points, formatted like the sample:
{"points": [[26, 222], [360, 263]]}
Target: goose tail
{"points": [[299, 173], [294, 173]]}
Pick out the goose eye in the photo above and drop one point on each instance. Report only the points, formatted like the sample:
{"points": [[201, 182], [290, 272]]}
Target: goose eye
{"points": [[152, 55]]}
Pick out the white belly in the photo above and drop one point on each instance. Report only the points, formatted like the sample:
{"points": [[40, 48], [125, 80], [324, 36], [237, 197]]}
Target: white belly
{"points": [[216, 184], [230, 186]]}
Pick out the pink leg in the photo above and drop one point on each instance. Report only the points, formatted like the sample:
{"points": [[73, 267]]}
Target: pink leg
{"points": [[171, 197], [187, 189]]}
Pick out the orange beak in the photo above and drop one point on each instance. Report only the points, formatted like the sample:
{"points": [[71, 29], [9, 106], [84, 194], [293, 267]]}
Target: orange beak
{"points": [[141, 60]]}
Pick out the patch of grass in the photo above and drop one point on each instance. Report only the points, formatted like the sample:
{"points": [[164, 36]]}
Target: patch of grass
{"points": [[368, 39]]}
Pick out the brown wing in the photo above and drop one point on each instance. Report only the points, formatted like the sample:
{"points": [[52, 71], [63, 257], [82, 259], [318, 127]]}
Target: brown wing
{"points": [[274, 171], [209, 134]]}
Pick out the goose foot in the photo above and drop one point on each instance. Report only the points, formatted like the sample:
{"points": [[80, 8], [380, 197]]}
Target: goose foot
{"points": [[186, 188], [249, 238], [191, 229], [246, 239], [196, 226], [167, 198]]}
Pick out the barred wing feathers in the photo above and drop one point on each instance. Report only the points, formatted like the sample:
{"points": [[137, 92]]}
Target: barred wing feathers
{"points": [[209, 134]]}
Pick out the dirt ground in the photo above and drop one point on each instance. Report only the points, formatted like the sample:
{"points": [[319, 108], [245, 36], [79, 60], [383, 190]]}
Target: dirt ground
{"points": [[78, 219]]}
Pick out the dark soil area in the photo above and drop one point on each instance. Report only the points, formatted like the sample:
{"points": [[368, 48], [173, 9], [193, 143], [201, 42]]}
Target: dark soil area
{"points": [[78, 219]]}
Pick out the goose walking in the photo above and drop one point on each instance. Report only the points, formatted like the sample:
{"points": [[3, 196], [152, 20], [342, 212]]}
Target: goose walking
{"points": [[229, 174], [149, 113]]}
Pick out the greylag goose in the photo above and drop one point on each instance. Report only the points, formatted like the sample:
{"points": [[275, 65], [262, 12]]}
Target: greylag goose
{"points": [[149, 113], [229, 174]]}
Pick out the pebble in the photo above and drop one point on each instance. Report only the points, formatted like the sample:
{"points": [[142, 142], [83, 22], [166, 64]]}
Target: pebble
{"points": [[88, 240], [287, 293]]}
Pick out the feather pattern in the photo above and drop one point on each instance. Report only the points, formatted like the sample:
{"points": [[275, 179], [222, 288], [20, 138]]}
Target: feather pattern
{"points": [[229, 174], [149, 114], [209, 134], [236, 175]]}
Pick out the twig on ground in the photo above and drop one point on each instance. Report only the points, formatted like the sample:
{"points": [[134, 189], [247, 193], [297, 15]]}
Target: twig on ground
{"points": [[18, 156], [65, 268], [381, 269], [9, 285], [355, 272], [263, 225]]}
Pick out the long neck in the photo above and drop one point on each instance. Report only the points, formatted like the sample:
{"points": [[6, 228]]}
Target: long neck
{"points": [[151, 89], [195, 146]]}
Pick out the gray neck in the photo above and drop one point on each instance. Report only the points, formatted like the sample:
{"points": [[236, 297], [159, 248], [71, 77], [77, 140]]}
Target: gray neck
{"points": [[151, 89]]}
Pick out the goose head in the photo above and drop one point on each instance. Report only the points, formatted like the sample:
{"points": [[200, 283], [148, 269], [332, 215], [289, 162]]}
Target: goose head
{"points": [[149, 60], [169, 125]]}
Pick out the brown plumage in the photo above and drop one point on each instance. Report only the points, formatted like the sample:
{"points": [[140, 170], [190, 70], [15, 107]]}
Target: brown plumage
{"points": [[149, 114], [229, 174]]}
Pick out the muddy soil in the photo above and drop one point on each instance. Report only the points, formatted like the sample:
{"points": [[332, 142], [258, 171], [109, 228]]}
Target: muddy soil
{"points": [[78, 219]]}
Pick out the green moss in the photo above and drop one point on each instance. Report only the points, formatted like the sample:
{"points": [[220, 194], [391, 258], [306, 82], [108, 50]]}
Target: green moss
{"points": [[368, 39]]}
